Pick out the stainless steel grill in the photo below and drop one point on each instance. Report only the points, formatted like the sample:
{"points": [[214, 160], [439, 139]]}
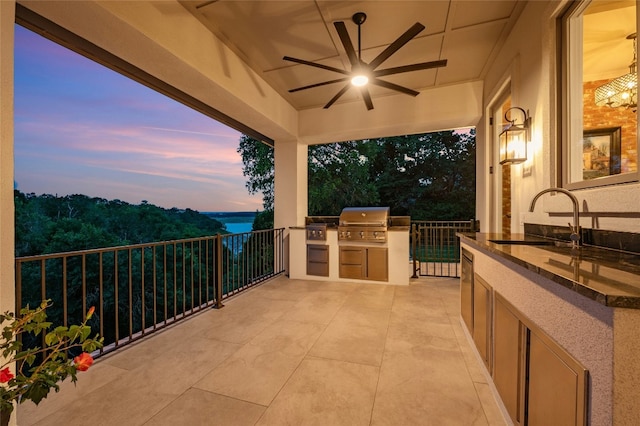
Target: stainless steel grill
{"points": [[364, 224]]}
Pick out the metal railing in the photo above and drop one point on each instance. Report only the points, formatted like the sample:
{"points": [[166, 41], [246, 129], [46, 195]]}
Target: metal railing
{"points": [[435, 248], [138, 289]]}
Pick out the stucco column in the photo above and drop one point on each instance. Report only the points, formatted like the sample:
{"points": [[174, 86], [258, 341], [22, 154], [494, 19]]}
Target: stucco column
{"points": [[290, 187], [7, 227], [290, 184]]}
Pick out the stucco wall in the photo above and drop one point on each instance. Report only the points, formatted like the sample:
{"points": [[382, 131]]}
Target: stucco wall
{"points": [[528, 61]]}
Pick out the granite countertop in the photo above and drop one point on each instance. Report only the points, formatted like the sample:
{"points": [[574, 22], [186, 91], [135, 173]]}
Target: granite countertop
{"points": [[607, 276]]}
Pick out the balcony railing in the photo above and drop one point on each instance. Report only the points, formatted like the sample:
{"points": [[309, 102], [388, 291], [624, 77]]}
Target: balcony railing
{"points": [[435, 248], [138, 289]]}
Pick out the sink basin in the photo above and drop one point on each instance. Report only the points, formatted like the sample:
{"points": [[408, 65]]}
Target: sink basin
{"points": [[524, 242]]}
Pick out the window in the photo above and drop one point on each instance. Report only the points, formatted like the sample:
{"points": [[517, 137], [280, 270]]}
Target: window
{"points": [[599, 94]]}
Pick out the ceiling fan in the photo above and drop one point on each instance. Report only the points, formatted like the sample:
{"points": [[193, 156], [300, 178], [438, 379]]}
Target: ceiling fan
{"points": [[362, 73]]}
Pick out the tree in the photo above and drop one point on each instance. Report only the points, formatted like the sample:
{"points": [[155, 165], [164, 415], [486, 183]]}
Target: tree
{"points": [[428, 177], [259, 168], [52, 224], [339, 176]]}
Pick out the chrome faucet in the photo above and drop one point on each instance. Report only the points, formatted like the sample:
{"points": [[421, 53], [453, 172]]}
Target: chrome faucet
{"points": [[575, 229]]}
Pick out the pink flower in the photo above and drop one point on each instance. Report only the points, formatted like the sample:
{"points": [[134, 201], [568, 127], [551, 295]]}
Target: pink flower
{"points": [[5, 375], [83, 361]]}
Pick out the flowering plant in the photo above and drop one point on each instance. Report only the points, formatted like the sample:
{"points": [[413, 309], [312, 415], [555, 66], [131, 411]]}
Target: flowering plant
{"points": [[34, 380]]}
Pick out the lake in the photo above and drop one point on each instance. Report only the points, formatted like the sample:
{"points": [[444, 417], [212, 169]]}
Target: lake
{"points": [[238, 228]]}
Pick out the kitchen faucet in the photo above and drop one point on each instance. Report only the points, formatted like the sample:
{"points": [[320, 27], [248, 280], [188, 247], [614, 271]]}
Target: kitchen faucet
{"points": [[575, 229]]}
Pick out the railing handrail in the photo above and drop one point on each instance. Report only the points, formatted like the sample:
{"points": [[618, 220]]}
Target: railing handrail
{"points": [[134, 246]]}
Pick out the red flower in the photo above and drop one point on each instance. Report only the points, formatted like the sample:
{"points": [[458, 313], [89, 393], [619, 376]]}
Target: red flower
{"points": [[91, 311], [5, 375], [83, 361]]}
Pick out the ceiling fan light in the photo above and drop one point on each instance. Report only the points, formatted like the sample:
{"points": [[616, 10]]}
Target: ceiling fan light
{"points": [[359, 80]]}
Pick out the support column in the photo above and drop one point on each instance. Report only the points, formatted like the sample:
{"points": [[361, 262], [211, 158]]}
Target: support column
{"points": [[7, 208], [7, 224], [290, 191]]}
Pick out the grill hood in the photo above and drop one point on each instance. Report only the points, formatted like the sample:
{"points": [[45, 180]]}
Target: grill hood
{"points": [[365, 216]]}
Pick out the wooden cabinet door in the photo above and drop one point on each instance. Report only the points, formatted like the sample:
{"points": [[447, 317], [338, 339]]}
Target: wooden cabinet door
{"points": [[377, 264], [508, 358], [466, 289], [557, 385], [482, 319]]}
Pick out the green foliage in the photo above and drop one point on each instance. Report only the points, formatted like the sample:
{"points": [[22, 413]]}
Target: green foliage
{"points": [[258, 167], [340, 176], [428, 177], [263, 220], [40, 369], [52, 224]]}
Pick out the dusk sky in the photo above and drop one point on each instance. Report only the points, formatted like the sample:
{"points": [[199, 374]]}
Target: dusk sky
{"points": [[81, 128]]}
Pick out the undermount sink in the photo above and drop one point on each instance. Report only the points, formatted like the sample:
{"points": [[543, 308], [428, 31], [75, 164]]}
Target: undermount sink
{"points": [[525, 242]]}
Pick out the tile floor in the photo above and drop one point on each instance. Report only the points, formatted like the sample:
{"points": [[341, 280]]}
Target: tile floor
{"points": [[292, 352]]}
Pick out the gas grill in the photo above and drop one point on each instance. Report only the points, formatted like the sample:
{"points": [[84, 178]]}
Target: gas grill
{"points": [[363, 224]]}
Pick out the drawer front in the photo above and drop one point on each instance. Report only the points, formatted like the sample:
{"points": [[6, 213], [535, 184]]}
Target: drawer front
{"points": [[317, 253], [351, 256], [351, 271]]}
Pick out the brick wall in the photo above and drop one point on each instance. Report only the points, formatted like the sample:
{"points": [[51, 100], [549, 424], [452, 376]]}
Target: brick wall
{"points": [[596, 117]]}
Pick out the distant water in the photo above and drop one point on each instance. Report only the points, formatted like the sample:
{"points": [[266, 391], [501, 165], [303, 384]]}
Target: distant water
{"points": [[239, 228]]}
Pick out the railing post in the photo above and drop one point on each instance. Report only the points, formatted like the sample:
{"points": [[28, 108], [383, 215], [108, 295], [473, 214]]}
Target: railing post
{"points": [[414, 236], [218, 266]]}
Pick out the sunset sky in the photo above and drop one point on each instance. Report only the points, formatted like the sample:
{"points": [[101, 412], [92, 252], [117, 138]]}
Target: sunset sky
{"points": [[81, 128]]}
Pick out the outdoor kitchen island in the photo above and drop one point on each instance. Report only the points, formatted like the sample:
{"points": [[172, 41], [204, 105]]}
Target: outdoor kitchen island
{"points": [[331, 248], [556, 328]]}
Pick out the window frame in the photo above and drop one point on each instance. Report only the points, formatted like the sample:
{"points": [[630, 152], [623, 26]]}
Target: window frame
{"points": [[571, 88]]}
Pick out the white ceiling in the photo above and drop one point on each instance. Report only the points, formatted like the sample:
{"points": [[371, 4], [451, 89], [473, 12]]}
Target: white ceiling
{"points": [[607, 51], [466, 33]]}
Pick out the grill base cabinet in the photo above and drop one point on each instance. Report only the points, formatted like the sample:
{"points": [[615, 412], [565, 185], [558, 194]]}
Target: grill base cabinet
{"points": [[383, 263], [364, 263]]}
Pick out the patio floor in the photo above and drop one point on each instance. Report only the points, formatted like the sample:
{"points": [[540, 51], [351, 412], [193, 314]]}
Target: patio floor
{"points": [[292, 352]]}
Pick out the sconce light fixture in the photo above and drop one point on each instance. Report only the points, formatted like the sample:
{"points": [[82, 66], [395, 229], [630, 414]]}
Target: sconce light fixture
{"points": [[514, 138]]}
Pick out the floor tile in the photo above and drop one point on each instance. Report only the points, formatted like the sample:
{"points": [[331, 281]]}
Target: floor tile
{"points": [[353, 343], [197, 407], [254, 374], [426, 386], [325, 392], [99, 375]]}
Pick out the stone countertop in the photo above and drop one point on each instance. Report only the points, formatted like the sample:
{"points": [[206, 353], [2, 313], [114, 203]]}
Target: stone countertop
{"points": [[609, 277]]}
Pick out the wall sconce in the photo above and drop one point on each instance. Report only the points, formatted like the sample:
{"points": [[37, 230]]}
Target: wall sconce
{"points": [[514, 138]]}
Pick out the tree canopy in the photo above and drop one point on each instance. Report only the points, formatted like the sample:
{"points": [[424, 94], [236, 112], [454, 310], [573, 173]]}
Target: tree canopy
{"points": [[52, 224], [428, 177]]}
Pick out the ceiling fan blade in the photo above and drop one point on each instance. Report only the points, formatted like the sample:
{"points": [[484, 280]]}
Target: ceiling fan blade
{"points": [[409, 68], [393, 47], [346, 42], [367, 97], [315, 64], [324, 83], [337, 96], [393, 86]]}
